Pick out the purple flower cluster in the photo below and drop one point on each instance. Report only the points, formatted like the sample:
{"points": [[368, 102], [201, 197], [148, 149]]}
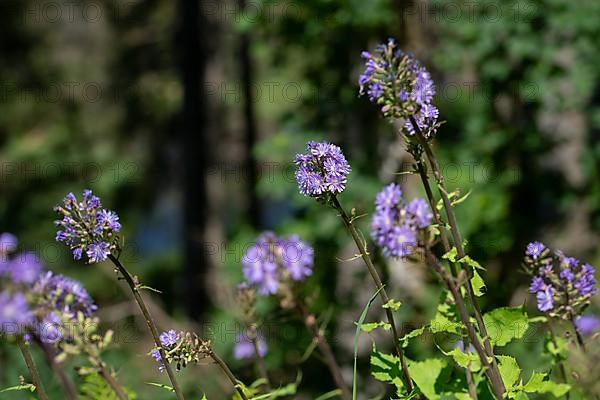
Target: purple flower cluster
{"points": [[89, 230], [401, 86], [396, 224], [272, 260], [168, 340], [322, 169], [244, 348], [563, 285]]}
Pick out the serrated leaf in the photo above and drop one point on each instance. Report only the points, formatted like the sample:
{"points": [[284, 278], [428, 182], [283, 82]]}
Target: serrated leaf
{"points": [[466, 360], [425, 374], [505, 324], [509, 370], [393, 305], [451, 255], [478, 284], [538, 384], [371, 326], [95, 387], [411, 335], [386, 368], [467, 260], [440, 323]]}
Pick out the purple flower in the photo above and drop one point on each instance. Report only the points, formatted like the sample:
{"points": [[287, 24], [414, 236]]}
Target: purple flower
{"points": [[388, 197], [395, 225], [157, 357], [461, 346], [537, 284], [545, 299], [535, 250], [109, 220], [586, 285], [402, 86], [64, 294], [272, 259], [25, 268], [323, 169], [244, 348], [87, 228], [421, 212], [375, 92], [587, 324], [49, 329], [563, 285], [297, 258], [15, 314], [98, 251], [169, 338]]}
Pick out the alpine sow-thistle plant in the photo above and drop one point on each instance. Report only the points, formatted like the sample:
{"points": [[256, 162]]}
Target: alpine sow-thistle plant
{"points": [[57, 314]]}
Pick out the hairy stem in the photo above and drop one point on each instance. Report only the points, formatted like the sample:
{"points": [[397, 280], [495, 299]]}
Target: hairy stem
{"points": [[493, 374], [149, 321], [456, 238], [111, 381], [310, 321], [382, 293], [442, 228], [58, 369], [33, 371], [229, 374]]}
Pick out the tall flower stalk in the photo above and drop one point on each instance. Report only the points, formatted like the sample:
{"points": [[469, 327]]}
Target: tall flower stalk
{"points": [[322, 173], [33, 371], [91, 232], [273, 266], [404, 90]]}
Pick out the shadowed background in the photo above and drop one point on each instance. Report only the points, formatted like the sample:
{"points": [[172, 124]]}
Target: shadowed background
{"points": [[184, 117]]}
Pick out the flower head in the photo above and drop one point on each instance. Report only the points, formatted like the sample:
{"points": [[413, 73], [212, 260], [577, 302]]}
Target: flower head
{"points": [[272, 260], [88, 229], [403, 88], [322, 169], [25, 268], [8, 244], [396, 225], [563, 285], [169, 338]]}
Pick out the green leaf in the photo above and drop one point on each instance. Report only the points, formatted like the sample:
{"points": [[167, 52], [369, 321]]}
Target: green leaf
{"points": [[478, 284], [392, 304], [466, 360], [386, 368], [505, 324], [451, 255], [538, 384], [369, 327], [411, 335], [441, 323], [509, 370], [425, 374], [470, 262]]}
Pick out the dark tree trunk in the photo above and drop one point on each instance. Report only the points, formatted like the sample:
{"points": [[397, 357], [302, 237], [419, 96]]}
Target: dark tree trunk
{"points": [[193, 57], [251, 168]]}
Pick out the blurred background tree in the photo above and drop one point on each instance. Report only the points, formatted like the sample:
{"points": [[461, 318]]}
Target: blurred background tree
{"points": [[184, 116]]}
